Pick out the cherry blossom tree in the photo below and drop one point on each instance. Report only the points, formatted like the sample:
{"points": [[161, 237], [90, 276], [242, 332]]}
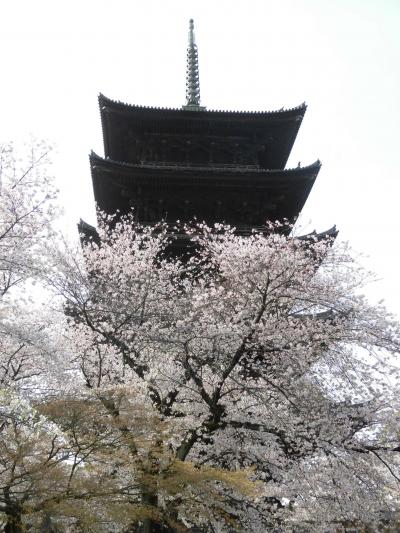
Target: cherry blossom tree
{"points": [[246, 386], [68, 461], [27, 211], [261, 351], [71, 465]]}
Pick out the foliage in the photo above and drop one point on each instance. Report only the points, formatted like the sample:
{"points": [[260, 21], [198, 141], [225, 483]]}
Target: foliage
{"points": [[246, 387], [27, 210], [260, 350], [76, 461]]}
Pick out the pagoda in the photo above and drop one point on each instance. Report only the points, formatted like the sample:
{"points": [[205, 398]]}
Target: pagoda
{"points": [[191, 163]]}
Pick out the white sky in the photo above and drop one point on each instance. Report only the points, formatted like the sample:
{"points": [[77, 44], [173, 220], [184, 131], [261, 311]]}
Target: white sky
{"points": [[340, 56]]}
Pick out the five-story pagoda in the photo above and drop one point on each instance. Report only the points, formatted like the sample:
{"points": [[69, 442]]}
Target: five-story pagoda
{"points": [[215, 166]]}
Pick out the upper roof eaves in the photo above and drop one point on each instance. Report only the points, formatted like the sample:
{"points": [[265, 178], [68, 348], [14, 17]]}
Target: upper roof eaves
{"points": [[122, 106], [312, 168]]}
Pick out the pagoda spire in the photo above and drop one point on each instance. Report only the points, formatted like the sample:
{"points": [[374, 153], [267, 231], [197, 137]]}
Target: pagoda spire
{"points": [[192, 74]]}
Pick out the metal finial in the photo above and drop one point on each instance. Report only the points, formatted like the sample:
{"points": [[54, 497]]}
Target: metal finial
{"points": [[192, 73], [191, 33]]}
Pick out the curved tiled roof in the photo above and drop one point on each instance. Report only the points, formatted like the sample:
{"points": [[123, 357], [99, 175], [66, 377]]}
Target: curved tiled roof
{"points": [[283, 192], [330, 233], [89, 232], [105, 101], [122, 124], [313, 168]]}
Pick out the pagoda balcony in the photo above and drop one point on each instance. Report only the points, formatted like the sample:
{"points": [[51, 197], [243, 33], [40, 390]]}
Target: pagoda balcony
{"points": [[183, 165]]}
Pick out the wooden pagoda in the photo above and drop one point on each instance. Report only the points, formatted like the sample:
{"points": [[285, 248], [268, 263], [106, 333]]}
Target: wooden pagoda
{"points": [[215, 166]]}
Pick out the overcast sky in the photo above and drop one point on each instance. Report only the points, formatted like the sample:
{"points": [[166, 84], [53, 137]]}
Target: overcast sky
{"points": [[342, 57]]}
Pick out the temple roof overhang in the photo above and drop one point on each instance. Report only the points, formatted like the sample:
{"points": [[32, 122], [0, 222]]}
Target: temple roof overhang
{"points": [[213, 171], [125, 125], [236, 195], [133, 109], [330, 233], [88, 233]]}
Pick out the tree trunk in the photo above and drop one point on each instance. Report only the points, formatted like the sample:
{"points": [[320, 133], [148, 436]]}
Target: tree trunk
{"points": [[14, 521], [47, 526], [149, 526]]}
